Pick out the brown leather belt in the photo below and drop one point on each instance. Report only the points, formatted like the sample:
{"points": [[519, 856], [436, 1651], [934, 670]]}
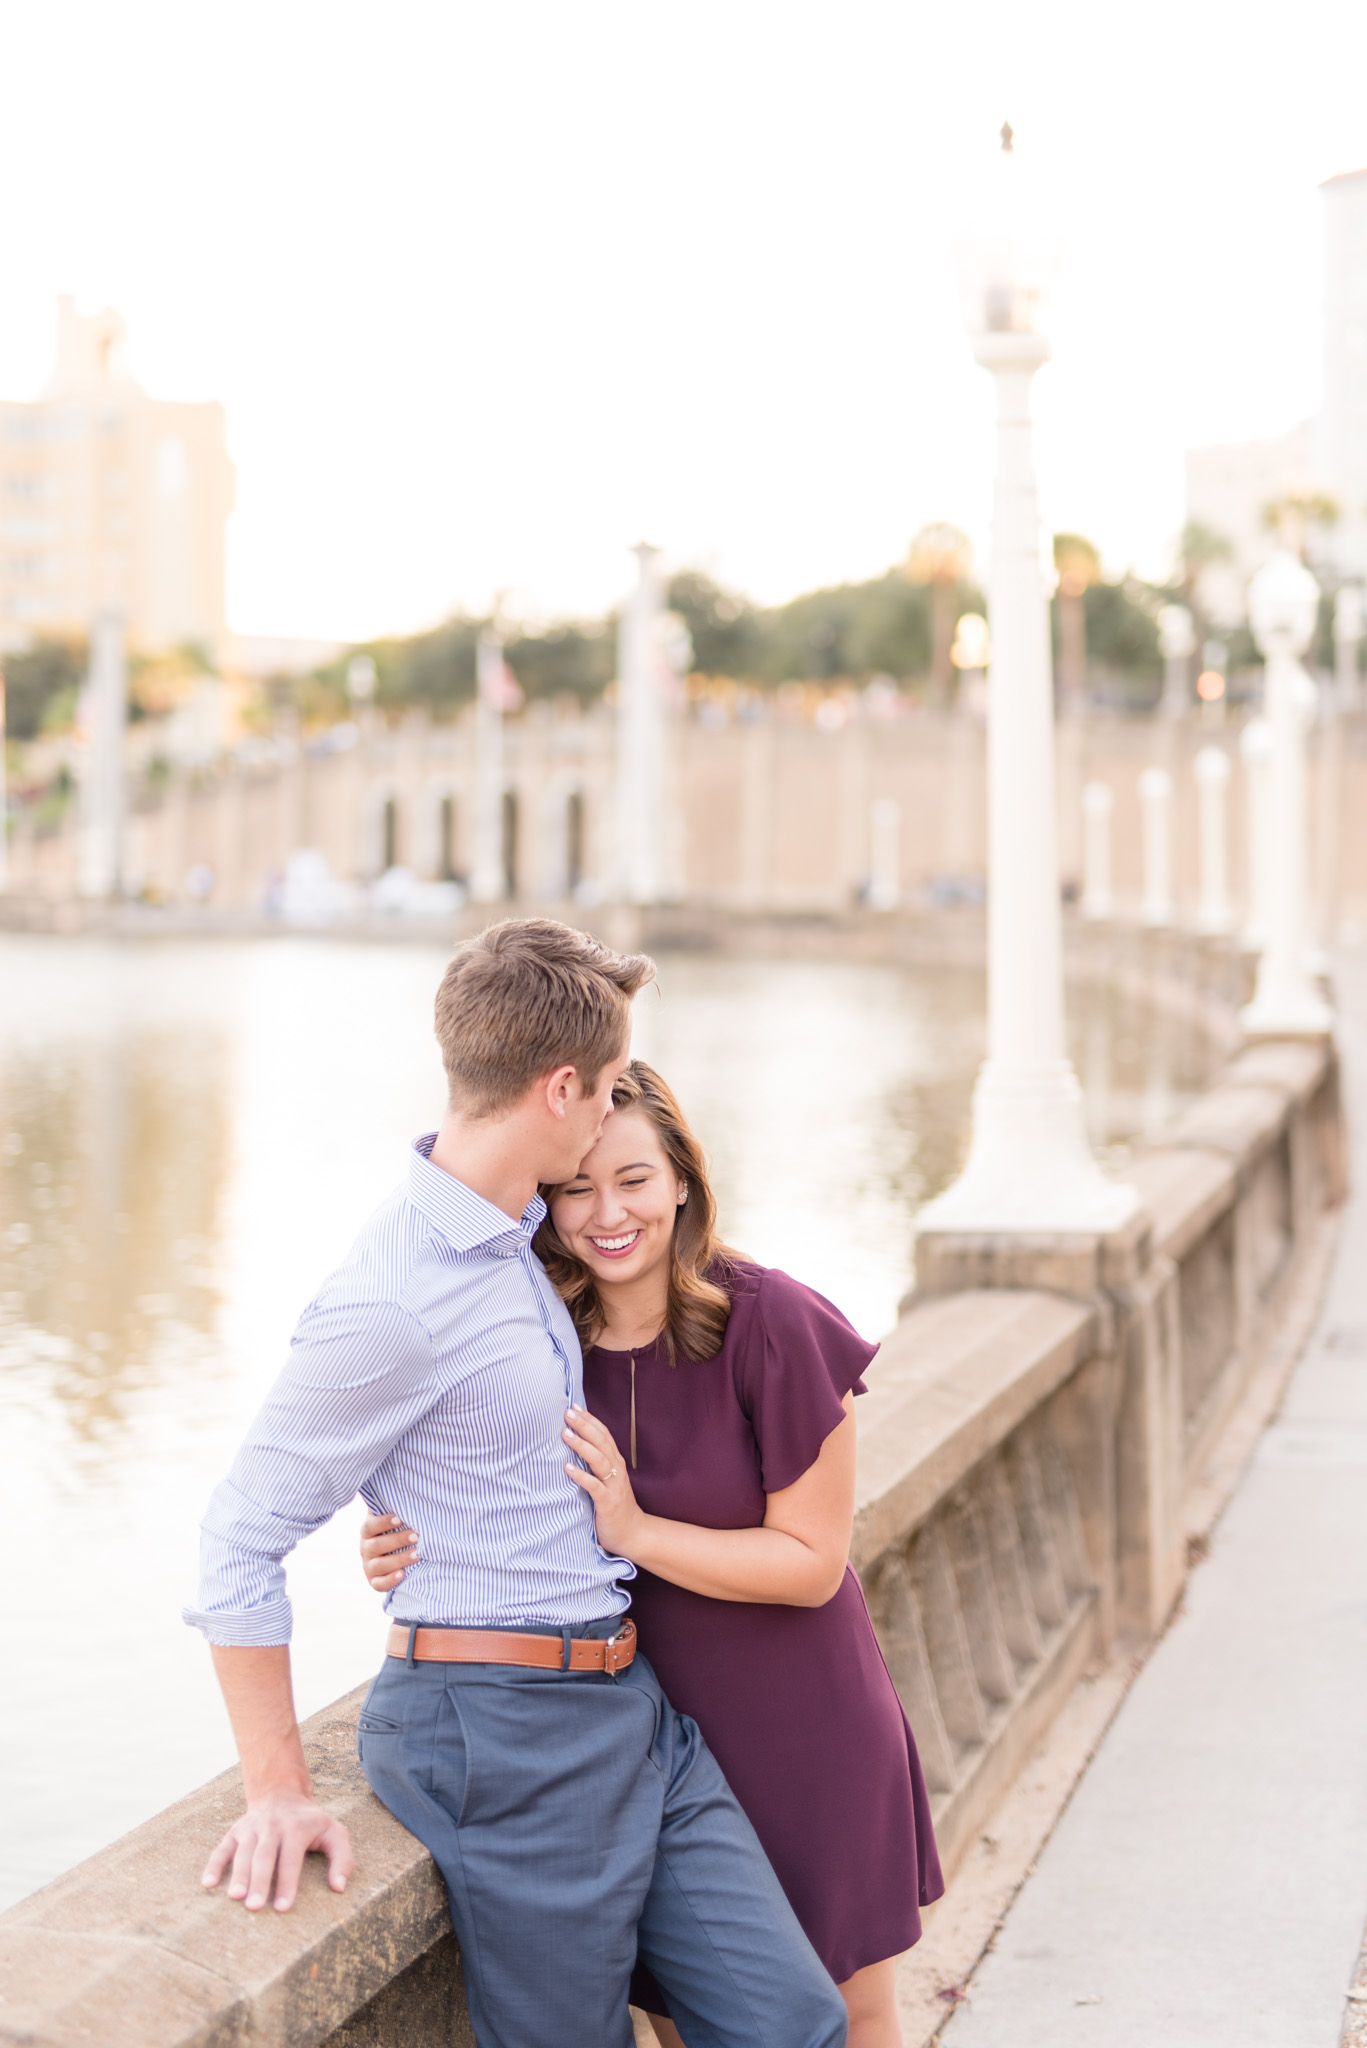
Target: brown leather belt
{"points": [[502, 1646]]}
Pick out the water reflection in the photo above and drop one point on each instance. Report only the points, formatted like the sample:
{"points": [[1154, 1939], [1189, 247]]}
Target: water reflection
{"points": [[190, 1135], [116, 1148]]}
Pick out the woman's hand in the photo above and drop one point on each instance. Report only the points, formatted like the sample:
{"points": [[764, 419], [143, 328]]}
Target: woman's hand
{"points": [[618, 1517], [386, 1547]]}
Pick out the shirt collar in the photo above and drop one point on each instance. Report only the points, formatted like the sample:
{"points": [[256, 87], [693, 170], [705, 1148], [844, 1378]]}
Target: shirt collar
{"points": [[465, 1219]]}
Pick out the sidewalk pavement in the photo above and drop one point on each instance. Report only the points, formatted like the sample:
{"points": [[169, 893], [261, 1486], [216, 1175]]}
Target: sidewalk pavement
{"points": [[1207, 1885]]}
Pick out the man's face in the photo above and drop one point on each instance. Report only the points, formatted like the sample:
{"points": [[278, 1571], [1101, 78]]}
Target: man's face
{"points": [[586, 1114]]}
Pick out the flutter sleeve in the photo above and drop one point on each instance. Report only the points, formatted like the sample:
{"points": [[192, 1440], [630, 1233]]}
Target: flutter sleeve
{"points": [[801, 1360]]}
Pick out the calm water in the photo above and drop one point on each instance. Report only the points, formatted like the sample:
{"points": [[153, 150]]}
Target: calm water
{"points": [[190, 1135]]}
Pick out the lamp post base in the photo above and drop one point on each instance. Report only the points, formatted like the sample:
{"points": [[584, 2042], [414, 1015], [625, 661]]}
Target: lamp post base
{"points": [[1030, 1167], [1304, 1017]]}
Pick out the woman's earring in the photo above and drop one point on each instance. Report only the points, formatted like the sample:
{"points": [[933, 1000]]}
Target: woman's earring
{"points": [[683, 1198]]}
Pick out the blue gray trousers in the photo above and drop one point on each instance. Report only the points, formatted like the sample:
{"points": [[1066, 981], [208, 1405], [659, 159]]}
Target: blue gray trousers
{"points": [[577, 1819]]}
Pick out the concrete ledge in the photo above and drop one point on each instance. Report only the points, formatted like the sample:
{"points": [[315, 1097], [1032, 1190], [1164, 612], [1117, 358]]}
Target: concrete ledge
{"points": [[1184, 1191], [1295, 1067], [129, 1951], [951, 1382], [1242, 1121]]}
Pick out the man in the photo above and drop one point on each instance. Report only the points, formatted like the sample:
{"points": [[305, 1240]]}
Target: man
{"points": [[572, 1813]]}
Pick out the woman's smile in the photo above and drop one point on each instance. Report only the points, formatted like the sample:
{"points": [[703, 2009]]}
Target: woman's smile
{"points": [[615, 1247]]}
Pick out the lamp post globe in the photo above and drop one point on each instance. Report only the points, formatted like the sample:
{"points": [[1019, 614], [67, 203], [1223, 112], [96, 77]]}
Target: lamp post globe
{"points": [[1177, 644], [1283, 605]]}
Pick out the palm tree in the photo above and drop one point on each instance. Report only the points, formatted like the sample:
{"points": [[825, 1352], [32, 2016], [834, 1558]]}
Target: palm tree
{"points": [[1296, 515], [940, 556], [1199, 547], [1079, 566]]}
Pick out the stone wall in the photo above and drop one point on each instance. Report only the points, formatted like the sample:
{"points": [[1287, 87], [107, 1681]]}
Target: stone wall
{"points": [[773, 815], [1050, 1431]]}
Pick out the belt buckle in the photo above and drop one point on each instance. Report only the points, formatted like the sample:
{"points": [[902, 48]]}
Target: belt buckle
{"points": [[624, 1638]]}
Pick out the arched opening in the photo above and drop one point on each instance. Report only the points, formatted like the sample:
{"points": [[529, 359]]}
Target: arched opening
{"points": [[509, 842], [446, 839], [389, 835], [574, 840]]}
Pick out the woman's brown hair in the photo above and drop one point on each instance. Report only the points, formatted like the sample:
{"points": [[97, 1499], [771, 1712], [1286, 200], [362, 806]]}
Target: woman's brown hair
{"points": [[697, 1308]]}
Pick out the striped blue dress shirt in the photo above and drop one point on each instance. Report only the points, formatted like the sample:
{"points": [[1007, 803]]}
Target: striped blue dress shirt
{"points": [[431, 1374]]}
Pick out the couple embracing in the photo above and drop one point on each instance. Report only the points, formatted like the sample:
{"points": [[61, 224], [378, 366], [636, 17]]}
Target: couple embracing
{"points": [[562, 1397]]}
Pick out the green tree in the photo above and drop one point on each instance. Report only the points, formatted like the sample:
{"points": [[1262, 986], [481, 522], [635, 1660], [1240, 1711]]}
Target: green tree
{"points": [[578, 660], [726, 630], [1122, 635], [42, 681]]}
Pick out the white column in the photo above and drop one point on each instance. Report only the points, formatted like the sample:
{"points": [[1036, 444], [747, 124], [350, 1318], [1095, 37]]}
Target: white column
{"points": [[101, 720], [1155, 807], [885, 854], [1029, 1165], [640, 738], [1098, 801], [1211, 769], [1347, 634], [1255, 749], [1177, 639], [488, 882], [1283, 600]]}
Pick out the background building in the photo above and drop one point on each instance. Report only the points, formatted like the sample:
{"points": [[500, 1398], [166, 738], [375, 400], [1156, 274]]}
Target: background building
{"points": [[1342, 441], [110, 497], [1229, 488]]}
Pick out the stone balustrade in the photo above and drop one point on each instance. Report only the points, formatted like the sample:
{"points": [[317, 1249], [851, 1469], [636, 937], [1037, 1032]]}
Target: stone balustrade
{"points": [[770, 816], [1051, 1427]]}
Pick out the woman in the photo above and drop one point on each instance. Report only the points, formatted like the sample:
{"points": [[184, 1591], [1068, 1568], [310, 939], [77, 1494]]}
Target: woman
{"points": [[719, 1451]]}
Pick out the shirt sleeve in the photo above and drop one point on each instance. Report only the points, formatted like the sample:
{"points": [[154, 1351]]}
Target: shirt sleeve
{"points": [[358, 1376], [802, 1359]]}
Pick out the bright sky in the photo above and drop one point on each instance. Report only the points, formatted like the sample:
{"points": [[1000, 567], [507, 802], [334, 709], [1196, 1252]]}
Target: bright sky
{"points": [[491, 291]]}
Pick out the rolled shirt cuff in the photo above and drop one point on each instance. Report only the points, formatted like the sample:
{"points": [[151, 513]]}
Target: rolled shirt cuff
{"points": [[266, 1627]]}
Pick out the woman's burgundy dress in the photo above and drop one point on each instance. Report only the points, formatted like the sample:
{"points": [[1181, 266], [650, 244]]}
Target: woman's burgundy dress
{"points": [[795, 1702]]}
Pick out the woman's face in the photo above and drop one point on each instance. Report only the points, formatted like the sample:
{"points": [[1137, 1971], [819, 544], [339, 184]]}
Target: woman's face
{"points": [[618, 1212]]}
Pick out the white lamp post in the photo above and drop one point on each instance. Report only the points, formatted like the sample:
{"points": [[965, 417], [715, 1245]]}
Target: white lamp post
{"points": [[1029, 1166], [1177, 640], [1098, 801], [1347, 634], [1283, 601], [361, 680], [1255, 750], [641, 738], [102, 716], [488, 881], [1211, 769], [1155, 807]]}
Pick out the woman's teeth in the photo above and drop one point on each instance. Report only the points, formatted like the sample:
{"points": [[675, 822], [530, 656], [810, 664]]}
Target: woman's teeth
{"points": [[615, 1244]]}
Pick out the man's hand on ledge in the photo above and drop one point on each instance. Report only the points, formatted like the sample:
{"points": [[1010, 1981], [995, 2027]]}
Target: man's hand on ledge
{"points": [[269, 1844], [283, 1822]]}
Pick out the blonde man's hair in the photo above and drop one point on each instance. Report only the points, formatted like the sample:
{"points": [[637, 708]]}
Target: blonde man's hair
{"points": [[525, 997]]}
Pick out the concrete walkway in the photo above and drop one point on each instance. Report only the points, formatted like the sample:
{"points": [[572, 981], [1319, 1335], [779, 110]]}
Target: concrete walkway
{"points": [[1207, 1886]]}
